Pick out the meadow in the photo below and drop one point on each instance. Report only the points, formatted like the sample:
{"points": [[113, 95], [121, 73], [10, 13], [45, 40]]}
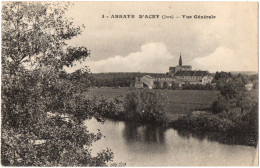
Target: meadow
{"points": [[177, 102]]}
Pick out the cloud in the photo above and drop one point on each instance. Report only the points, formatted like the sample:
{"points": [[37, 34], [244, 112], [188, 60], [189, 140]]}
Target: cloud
{"points": [[153, 57], [156, 58], [235, 27], [225, 59]]}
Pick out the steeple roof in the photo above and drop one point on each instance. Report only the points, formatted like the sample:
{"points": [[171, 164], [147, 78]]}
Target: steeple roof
{"points": [[180, 60]]}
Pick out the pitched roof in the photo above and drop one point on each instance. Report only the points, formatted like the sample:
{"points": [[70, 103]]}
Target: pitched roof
{"points": [[148, 76], [155, 75], [186, 66], [191, 73]]}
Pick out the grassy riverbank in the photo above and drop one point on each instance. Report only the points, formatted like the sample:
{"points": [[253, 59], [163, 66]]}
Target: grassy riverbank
{"points": [[177, 103], [185, 110]]}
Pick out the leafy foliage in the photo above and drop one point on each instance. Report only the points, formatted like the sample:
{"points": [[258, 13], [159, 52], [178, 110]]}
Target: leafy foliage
{"points": [[42, 106], [157, 85], [37, 33], [62, 145], [234, 112], [174, 86], [144, 105], [222, 75], [165, 85]]}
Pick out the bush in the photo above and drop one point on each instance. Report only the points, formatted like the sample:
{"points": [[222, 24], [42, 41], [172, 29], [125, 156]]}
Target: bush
{"points": [[144, 105], [175, 86], [165, 85], [157, 85], [220, 105]]}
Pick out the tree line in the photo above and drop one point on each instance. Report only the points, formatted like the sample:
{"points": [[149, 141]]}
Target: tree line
{"points": [[128, 79]]}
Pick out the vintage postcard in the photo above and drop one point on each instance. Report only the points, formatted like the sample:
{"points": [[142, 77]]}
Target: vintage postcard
{"points": [[129, 84]]}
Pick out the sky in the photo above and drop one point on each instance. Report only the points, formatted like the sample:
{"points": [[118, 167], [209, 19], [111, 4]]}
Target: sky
{"points": [[227, 43]]}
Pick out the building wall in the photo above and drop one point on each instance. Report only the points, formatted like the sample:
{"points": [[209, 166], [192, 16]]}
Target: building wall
{"points": [[190, 78], [148, 81], [206, 79], [172, 70], [179, 68], [196, 79], [164, 79], [186, 68]]}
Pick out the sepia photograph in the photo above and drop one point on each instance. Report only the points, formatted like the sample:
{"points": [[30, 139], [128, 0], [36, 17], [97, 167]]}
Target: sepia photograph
{"points": [[129, 84]]}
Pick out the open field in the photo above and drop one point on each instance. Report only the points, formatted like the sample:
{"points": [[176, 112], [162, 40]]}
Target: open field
{"points": [[177, 102]]}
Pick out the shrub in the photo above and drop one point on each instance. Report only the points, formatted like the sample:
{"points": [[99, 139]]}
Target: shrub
{"points": [[220, 105], [157, 85], [175, 86], [165, 85], [144, 105]]}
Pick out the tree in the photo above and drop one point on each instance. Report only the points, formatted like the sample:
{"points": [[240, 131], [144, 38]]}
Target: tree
{"points": [[34, 35], [157, 85], [231, 89], [217, 76], [239, 106], [222, 75], [34, 52], [220, 105], [145, 106], [37, 33], [174, 85], [165, 85]]}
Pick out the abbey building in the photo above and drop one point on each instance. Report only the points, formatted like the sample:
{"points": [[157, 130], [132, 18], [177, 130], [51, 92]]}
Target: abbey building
{"points": [[181, 74], [180, 67]]}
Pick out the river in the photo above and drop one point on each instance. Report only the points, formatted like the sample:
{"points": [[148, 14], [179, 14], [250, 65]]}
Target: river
{"points": [[148, 145]]}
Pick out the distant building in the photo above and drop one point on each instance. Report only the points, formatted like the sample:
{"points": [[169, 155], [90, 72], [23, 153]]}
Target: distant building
{"points": [[149, 80], [180, 74], [194, 77], [180, 67]]}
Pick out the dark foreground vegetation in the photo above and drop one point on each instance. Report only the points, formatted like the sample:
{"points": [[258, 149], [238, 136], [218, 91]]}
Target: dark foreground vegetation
{"points": [[42, 110]]}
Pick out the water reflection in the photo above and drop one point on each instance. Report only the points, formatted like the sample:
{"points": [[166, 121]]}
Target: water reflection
{"points": [[130, 132], [188, 134], [148, 145], [133, 132], [223, 138]]}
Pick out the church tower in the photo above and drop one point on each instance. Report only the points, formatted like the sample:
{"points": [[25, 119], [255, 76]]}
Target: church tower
{"points": [[180, 61]]}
